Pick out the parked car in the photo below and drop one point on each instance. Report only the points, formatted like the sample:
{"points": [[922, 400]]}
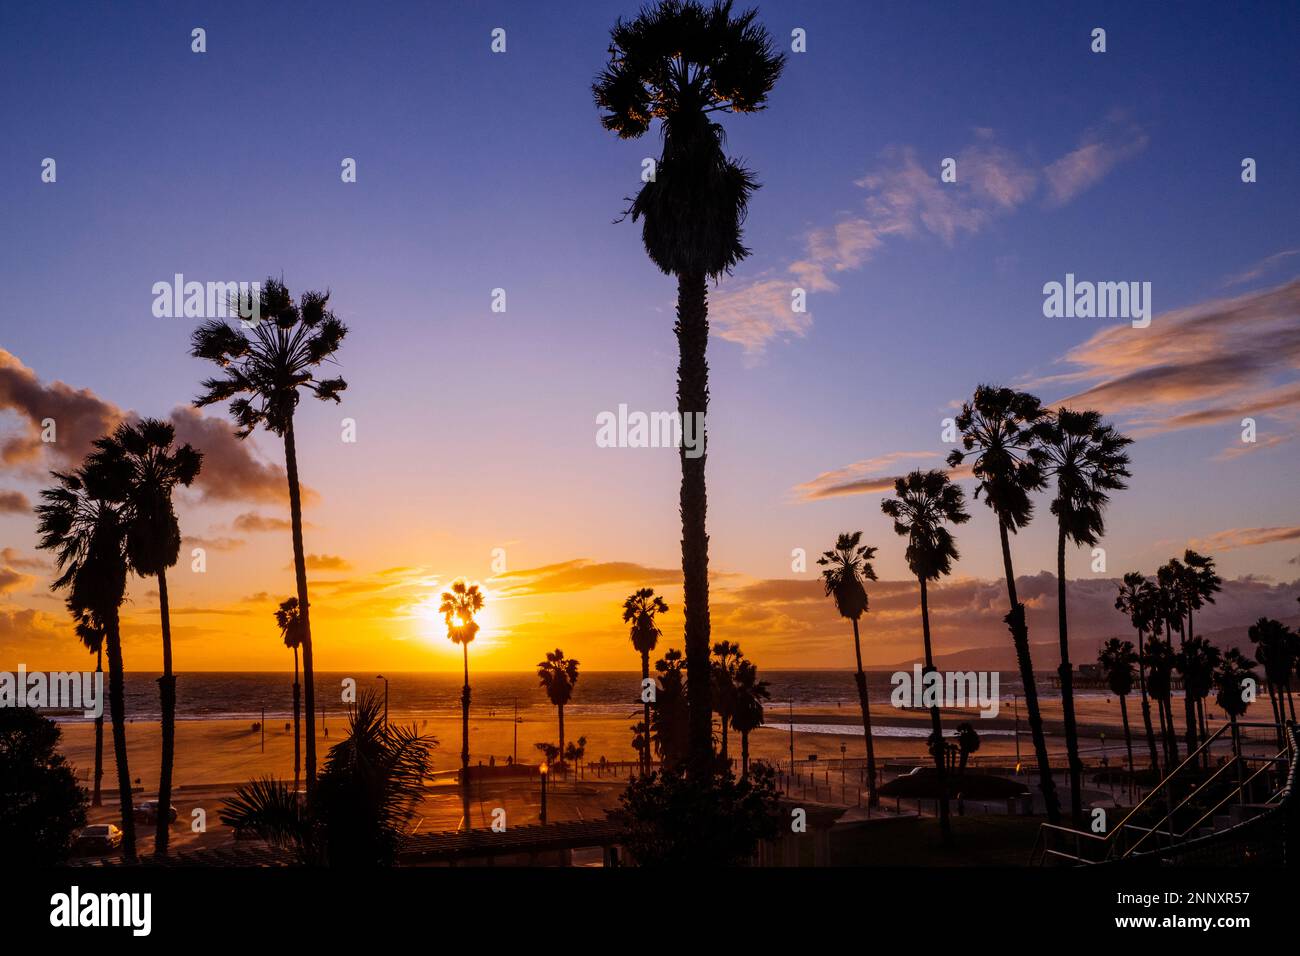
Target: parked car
{"points": [[97, 838], [147, 812]]}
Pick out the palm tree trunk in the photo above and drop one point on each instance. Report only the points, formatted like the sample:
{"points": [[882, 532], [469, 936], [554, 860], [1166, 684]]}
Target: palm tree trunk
{"points": [[167, 691], [693, 401], [95, 799], [645, 704], [744, 753], [560, 708], [1189, 703], [945, 826], [1020, 637], [722, 719], [464, 737], [1067, 687], [865, 704], [117, 711], [297, 727], [1146, 708], [304, 614], [1128, 737]]}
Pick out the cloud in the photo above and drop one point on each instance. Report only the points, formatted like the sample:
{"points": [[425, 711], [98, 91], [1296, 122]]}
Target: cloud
{"points": [[325, 562], [1210, 363], [213, 544], [14, 559], [251, 521], [1260, 268], [582, 575], [14, 503], [906, 199], [1234, 538], [230, 472], [11, 580], [1101, 150], [861, 477]]}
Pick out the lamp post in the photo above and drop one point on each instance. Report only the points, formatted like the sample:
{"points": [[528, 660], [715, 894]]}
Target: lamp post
{"points": [[844, 748], [515, 759], [542, 770], [385, 680]]}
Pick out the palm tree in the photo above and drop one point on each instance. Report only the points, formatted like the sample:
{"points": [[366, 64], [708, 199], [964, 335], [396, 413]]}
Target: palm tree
{"points": [[722, 672], [999, 431], [458, 607], [923, 503], [848, 566], [1137, 598], [680, 62], [747, 712], [1159, 661], [1087, 459], [557, 675], [1230, 676], [1196, 661], [153, 468], [1274, 650], [1200, 583], [92, 637], [370, 788], [639, 610], [574, 753], [1118, 660], [81, 521], [670, 718], [1171, 578], [286, 618], [968, 741], [263, 371]]}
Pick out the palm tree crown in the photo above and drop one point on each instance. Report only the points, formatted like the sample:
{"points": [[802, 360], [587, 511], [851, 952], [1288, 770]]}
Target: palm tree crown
{"points": [[923, 503], [458, 607], [848, 566], [678, 62], [558, 674], [639, 610], [287, 620], [998, 427], [1087, 459], [1118, 661]]}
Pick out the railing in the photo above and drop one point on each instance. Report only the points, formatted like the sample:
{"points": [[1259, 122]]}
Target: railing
{"points": [[1069, 845]]}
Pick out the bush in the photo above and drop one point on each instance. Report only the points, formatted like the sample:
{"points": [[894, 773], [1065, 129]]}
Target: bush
{"points": [[41, 805]]}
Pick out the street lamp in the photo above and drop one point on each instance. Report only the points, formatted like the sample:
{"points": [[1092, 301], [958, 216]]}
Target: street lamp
{"points": [[385, 680], [543, 769]]}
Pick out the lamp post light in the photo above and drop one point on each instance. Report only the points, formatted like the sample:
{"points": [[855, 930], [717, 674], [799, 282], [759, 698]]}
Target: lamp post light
{"points": [[543, 770], [385, 680]]}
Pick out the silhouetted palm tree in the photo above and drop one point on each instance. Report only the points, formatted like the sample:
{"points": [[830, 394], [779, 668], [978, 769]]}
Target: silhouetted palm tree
{"points": [[999, 431], [1118, 660], [1137, 598], [968, 741], [1159, 661], [1086, 458], [264, 370], [153, 468], [81, 521], [458, 607], [558, 674], [923, 504], [286, 618], [574, 753], [369, 790], [1171, 579], [1230, 676], [1274, 649], [639, 610], [680, 62], [93, 638], [722, 671], [1196, 661], [670, 717], [848, 566], [747, 710], [1200, 584]]}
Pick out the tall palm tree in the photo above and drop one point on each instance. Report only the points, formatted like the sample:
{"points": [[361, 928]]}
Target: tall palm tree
{"points": [[670, 720], [558, 675], [1171, 579], [1086, 458], [1196, 661], [640, 610], [722, 672], [680, 62], [923, 504], [1137, 598], [968, 741], [458, 608], [92, 637], [263, 372], [848, 567], [81, 521], [287, 619], [1159, 660], [999, 431], [1200, 583], [1118, 661], [153, 468], [1230, 676], [1274, 649], [747, 711]]}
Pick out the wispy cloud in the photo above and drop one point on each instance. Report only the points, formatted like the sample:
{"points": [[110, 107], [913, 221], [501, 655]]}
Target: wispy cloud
{"points": [[869, 476], [581, 574], [1260, 268], [905, 199], [1234, 538], [14, 503]]}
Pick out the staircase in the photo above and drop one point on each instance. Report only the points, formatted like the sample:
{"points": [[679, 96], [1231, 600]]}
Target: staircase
{"points": [[1239, 811]]}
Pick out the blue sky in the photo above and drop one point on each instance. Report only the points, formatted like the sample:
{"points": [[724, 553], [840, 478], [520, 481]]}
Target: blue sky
{"points": [[478, 171]]}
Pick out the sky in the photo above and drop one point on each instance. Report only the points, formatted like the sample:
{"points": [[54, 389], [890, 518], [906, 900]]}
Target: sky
{"points": [[476, 452]]}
